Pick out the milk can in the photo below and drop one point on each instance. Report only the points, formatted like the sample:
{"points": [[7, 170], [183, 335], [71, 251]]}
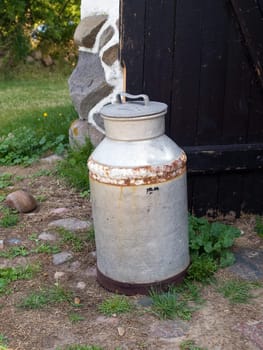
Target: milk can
{"points": [[139, 199]]}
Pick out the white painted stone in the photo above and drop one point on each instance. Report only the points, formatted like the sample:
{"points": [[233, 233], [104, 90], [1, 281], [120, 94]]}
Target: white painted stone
{"points": [[114, 73]]}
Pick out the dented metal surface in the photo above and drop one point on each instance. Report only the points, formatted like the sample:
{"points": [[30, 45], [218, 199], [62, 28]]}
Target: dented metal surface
{"points": [[136, 176]]}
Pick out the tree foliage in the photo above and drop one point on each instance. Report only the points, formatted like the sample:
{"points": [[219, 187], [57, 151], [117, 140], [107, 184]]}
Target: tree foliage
{"points": [[30, 23]]}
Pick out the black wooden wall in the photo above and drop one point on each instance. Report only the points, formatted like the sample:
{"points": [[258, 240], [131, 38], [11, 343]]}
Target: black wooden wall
{"points": [[204, 58]]}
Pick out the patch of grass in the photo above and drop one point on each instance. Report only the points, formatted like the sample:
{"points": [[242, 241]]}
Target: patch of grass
{"points": [[168, 305], [81, 347], [189, 291], [202, 269], [91, 235], [75, 318], [42, 172], [71, 238], [189, 345], [13, 252], [5, 180], [38, 128], [73, 169], [42, 298], [3, 341], [8, 218], [237, 291], [46, 248], [116, 304], [10, 274], [259, 226]]}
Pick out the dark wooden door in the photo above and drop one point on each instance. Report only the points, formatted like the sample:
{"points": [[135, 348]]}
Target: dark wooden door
{"points": [[204, 59]]}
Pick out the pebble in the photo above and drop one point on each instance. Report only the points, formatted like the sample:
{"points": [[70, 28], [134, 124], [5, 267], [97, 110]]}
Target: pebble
{"points": [[71, 224], [22, 201], [1, 244], [91, 272], [121, 331], [61, 258], [93, 254], [47, 236], [145, 301], [14, 241], [51, 159], [81, 285], [58, 211], [58, 275]]}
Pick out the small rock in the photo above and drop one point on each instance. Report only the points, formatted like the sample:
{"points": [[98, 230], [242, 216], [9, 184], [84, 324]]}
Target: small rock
{"points": [[110, 320], [58, 211], [121, 331], [71, 224], [93, 254], [47, 60], [22, 201], [29, 59], [81, 285], [91, 272], [37, 55], [61, 258], [106, 36], [58, 275], [1, 244], [51, 159], [145, 301], [14, 241], [47, 236], [74, 266], [77, 300]]}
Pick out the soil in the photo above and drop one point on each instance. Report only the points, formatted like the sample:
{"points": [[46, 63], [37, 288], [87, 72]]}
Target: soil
{"points": [[216, 325]]}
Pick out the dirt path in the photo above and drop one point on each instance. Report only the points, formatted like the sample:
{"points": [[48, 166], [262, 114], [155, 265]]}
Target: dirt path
{"points": [[216, 325]]}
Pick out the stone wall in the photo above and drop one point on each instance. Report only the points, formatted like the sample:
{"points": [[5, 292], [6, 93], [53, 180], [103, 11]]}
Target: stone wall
{"points": [[98, 75]]}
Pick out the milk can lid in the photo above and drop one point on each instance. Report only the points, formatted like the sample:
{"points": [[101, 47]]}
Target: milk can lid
{"points": [[134, 108]]}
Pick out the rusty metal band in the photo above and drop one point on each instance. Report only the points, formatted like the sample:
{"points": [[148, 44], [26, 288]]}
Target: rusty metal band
{"points": [[136, 176], [138, 288]]}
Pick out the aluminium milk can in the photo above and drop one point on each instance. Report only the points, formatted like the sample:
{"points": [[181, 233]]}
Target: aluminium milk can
{"points": [[139, 199]]}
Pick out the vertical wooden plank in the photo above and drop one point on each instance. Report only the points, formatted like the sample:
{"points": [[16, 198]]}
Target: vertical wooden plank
{"points": [[255, 125], [237, 91], [185, 94], [205, 195], [253, 192], [132, 43], [158, 52], [230, 191], [213, 69]]}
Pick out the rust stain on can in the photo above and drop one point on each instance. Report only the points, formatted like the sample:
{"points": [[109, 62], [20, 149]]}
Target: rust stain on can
{"points": [[136, 176]]}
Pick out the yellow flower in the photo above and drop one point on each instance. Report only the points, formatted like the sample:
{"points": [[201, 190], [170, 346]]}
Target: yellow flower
{"points": [[45, 114]]}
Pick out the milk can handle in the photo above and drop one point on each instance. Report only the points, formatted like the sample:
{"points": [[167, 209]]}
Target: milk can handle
{"points": [[122, 95]]}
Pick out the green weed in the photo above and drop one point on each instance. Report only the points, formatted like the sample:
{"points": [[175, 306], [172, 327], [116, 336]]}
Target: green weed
{"points": [[259, 226], [75, 318], [115, 305], [74, 167], [5, 180], [237, 291], [91, 235], [45, 248], [9, 217], [10, 274], [189, 345], [168, 305], [13, 252], [71, 238], [202, 269], [44, 297], [3, 341], [82, 347], [210, 245]]}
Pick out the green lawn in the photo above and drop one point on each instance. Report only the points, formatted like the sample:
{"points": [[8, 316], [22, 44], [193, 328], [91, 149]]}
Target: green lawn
{"points": [[22, 102], [35, 115]]}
